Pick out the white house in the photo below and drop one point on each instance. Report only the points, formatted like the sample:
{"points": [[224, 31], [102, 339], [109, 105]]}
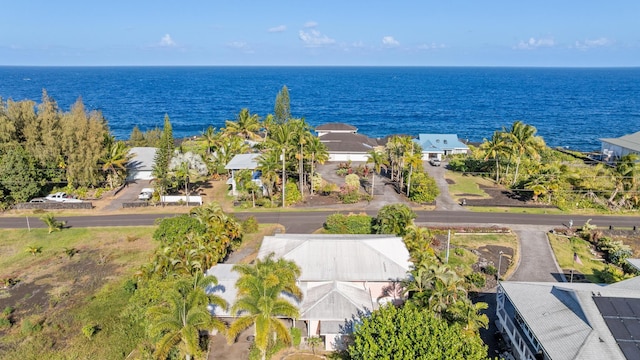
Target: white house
{"points": [[140, 167], [243, 162], [563, 321], [435, 146], [615, 148], [343, 143], [341, 275]]}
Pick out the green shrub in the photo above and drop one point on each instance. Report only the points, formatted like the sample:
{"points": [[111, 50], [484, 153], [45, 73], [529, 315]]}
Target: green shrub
{"points": [[476, 279], [423, 188], [7, 311], [5, 323], [250, 225], [490, 270], [296, 336], [292, 193], [30, 326], [458, 251], [89, 330], [349, 195], [349, 224], [328, 188], [130, 286], [610, 274], [352, 180]]}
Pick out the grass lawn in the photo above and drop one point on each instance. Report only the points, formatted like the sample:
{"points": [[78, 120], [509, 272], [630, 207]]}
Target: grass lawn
{"points": [[564, 248], [466, 186], [516, 210], [60, 294]]}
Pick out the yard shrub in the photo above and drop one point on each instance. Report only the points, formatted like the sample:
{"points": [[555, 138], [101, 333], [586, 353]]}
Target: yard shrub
{"points": [[89, 330], [352, 180], [476, 279], [296, 336], [490, 270], [349, 224], [349, 194], [250, 225], [458, 251], [423, 188], [30, 326], [292, 193]]}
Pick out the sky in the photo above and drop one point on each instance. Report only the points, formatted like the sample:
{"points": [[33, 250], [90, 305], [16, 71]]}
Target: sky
{"points": [[562, 33]]}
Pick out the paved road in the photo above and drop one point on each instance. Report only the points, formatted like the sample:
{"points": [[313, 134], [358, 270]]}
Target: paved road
{"points": [[304, 221]]}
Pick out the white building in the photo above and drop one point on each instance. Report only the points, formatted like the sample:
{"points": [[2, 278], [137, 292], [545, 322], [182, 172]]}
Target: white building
{"points": [[615, 148], [140, 167]]}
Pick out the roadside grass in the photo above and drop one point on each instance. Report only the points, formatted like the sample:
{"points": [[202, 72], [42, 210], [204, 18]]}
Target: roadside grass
{"points": [[466, 186], [564, 247], [516, 210], [74, 307], [467, 242]]}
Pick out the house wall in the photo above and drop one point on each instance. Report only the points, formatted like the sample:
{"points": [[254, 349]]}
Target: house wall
{"points": [[139, 175], [347, 157], [520, 346], [614, 152]]}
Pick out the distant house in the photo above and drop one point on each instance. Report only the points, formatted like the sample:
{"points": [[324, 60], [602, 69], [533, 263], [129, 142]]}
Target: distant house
{"points": [[343, 143], [435, 146], [615, 148], [243, 162], [342, 275], [140, 167], [563, 321]]}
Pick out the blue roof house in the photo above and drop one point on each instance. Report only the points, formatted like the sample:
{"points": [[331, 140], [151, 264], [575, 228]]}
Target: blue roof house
{"points": [[435, 146]]}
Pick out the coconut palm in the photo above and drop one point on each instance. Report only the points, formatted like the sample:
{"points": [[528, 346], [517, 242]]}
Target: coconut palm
{"points": [[51, 222], [494, 149], [469, 315], [394, 219], [246, 125], [115, 159], [179, 321], [414, 160], [210, 137], [523, 143], [318, 153], [418, 241], [378, 159], [260, 302], [269, 164]]}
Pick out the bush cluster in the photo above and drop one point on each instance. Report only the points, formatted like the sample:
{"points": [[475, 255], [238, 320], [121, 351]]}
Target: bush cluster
{"points": [[349, 224]]}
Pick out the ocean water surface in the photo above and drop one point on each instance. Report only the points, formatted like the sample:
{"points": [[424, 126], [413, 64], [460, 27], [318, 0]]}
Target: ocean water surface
{"points": [[570, 107]]}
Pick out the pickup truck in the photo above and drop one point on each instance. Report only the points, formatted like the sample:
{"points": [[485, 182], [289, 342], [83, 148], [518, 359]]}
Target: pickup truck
{"points": [[62, 197]]}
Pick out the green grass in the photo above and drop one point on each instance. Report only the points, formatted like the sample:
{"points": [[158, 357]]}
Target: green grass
{"points": [[516, 210], [564, 248], [466, 186]]}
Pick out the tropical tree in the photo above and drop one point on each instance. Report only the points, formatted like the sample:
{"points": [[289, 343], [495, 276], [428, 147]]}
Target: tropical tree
{"points": [[115, 159], [282, 107], [625, 177], [246, 125], [377, 157], [394, 219], [413, 159], [418, 241], [318, 154], [410, 332], [261, 303], [163, 157], [52, 223], [210, 137], [34, 250], [178, 321], [269, 164], [494, 149], [522, 142], [21, 175]]}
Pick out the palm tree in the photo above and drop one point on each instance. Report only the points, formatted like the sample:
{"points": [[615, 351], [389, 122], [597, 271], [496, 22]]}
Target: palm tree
{"points": [[319, 154], [493, 149], [418, 241], [179, 321], [210, 137], [115, 159], [523, 143], [246, 125], [260, 302], [378, 159], [414, 160], [394, 219], [269, 165], [34, 250], [51, 222], [468, 314]]}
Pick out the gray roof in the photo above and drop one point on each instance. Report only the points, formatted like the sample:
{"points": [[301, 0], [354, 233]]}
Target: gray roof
{"points": [[630, 141], [440, 142], [142, 158], [334, 300], [635, 263], [226, 287], [243, 161], [348, 142], [336, 127], [325, 257], [565, 318]]}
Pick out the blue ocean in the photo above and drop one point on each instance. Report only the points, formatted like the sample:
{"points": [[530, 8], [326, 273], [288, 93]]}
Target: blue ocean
{"points": [[570, 107]]}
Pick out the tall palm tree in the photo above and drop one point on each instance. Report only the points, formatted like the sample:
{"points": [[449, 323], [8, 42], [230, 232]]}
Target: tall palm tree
{"points": [[269, 165], [414, 160], [178, 322], [260, 302], [418, 241], [246, 125], [378, 159], [523, 143], [494, 149], [318, 153], [469, 315], [115, 159], [210, 137]]}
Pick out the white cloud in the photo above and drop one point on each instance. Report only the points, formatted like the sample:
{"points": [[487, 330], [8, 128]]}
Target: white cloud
{"points": [[534, 43], [313, 38], [310, 24], [167, 41], [279, 28], [430, 46], [237, 45], [589, 44], [390, 41]]}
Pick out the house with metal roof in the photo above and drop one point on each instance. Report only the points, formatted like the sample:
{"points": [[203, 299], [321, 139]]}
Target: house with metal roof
{"points": [[344, 143], [615, 148], [334, 128], [140, 166], [244, 162], [341, 276], [562, 321], [435, 146]]}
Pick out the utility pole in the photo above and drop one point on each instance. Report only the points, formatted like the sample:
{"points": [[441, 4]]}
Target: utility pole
{"points": [[284, 204]]}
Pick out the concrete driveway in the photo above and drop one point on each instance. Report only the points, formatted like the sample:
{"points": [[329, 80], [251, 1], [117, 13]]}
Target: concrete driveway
{"points": [[444, 201], [128, 194]]}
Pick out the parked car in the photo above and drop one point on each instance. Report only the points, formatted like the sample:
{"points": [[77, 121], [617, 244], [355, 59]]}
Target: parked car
{"points": [[62, 197], [145, 194], [434, 162], [38, 200]]}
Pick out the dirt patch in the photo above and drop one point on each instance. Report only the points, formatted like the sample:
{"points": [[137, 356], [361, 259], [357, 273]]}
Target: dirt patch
{"points": [[500, 196]]}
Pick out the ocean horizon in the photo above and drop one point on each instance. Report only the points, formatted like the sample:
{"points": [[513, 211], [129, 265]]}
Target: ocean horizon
{"points": [[570, 107]]}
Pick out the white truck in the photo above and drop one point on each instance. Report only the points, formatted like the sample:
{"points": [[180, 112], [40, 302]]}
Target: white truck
{"points": [[62, 197]]}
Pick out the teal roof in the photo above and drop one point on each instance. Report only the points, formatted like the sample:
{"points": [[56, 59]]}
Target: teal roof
{"points": [[440, 142]]}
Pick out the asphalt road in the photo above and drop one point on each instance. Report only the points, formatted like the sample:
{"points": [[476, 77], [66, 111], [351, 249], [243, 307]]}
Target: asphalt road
{"points": [[307, 221]]}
